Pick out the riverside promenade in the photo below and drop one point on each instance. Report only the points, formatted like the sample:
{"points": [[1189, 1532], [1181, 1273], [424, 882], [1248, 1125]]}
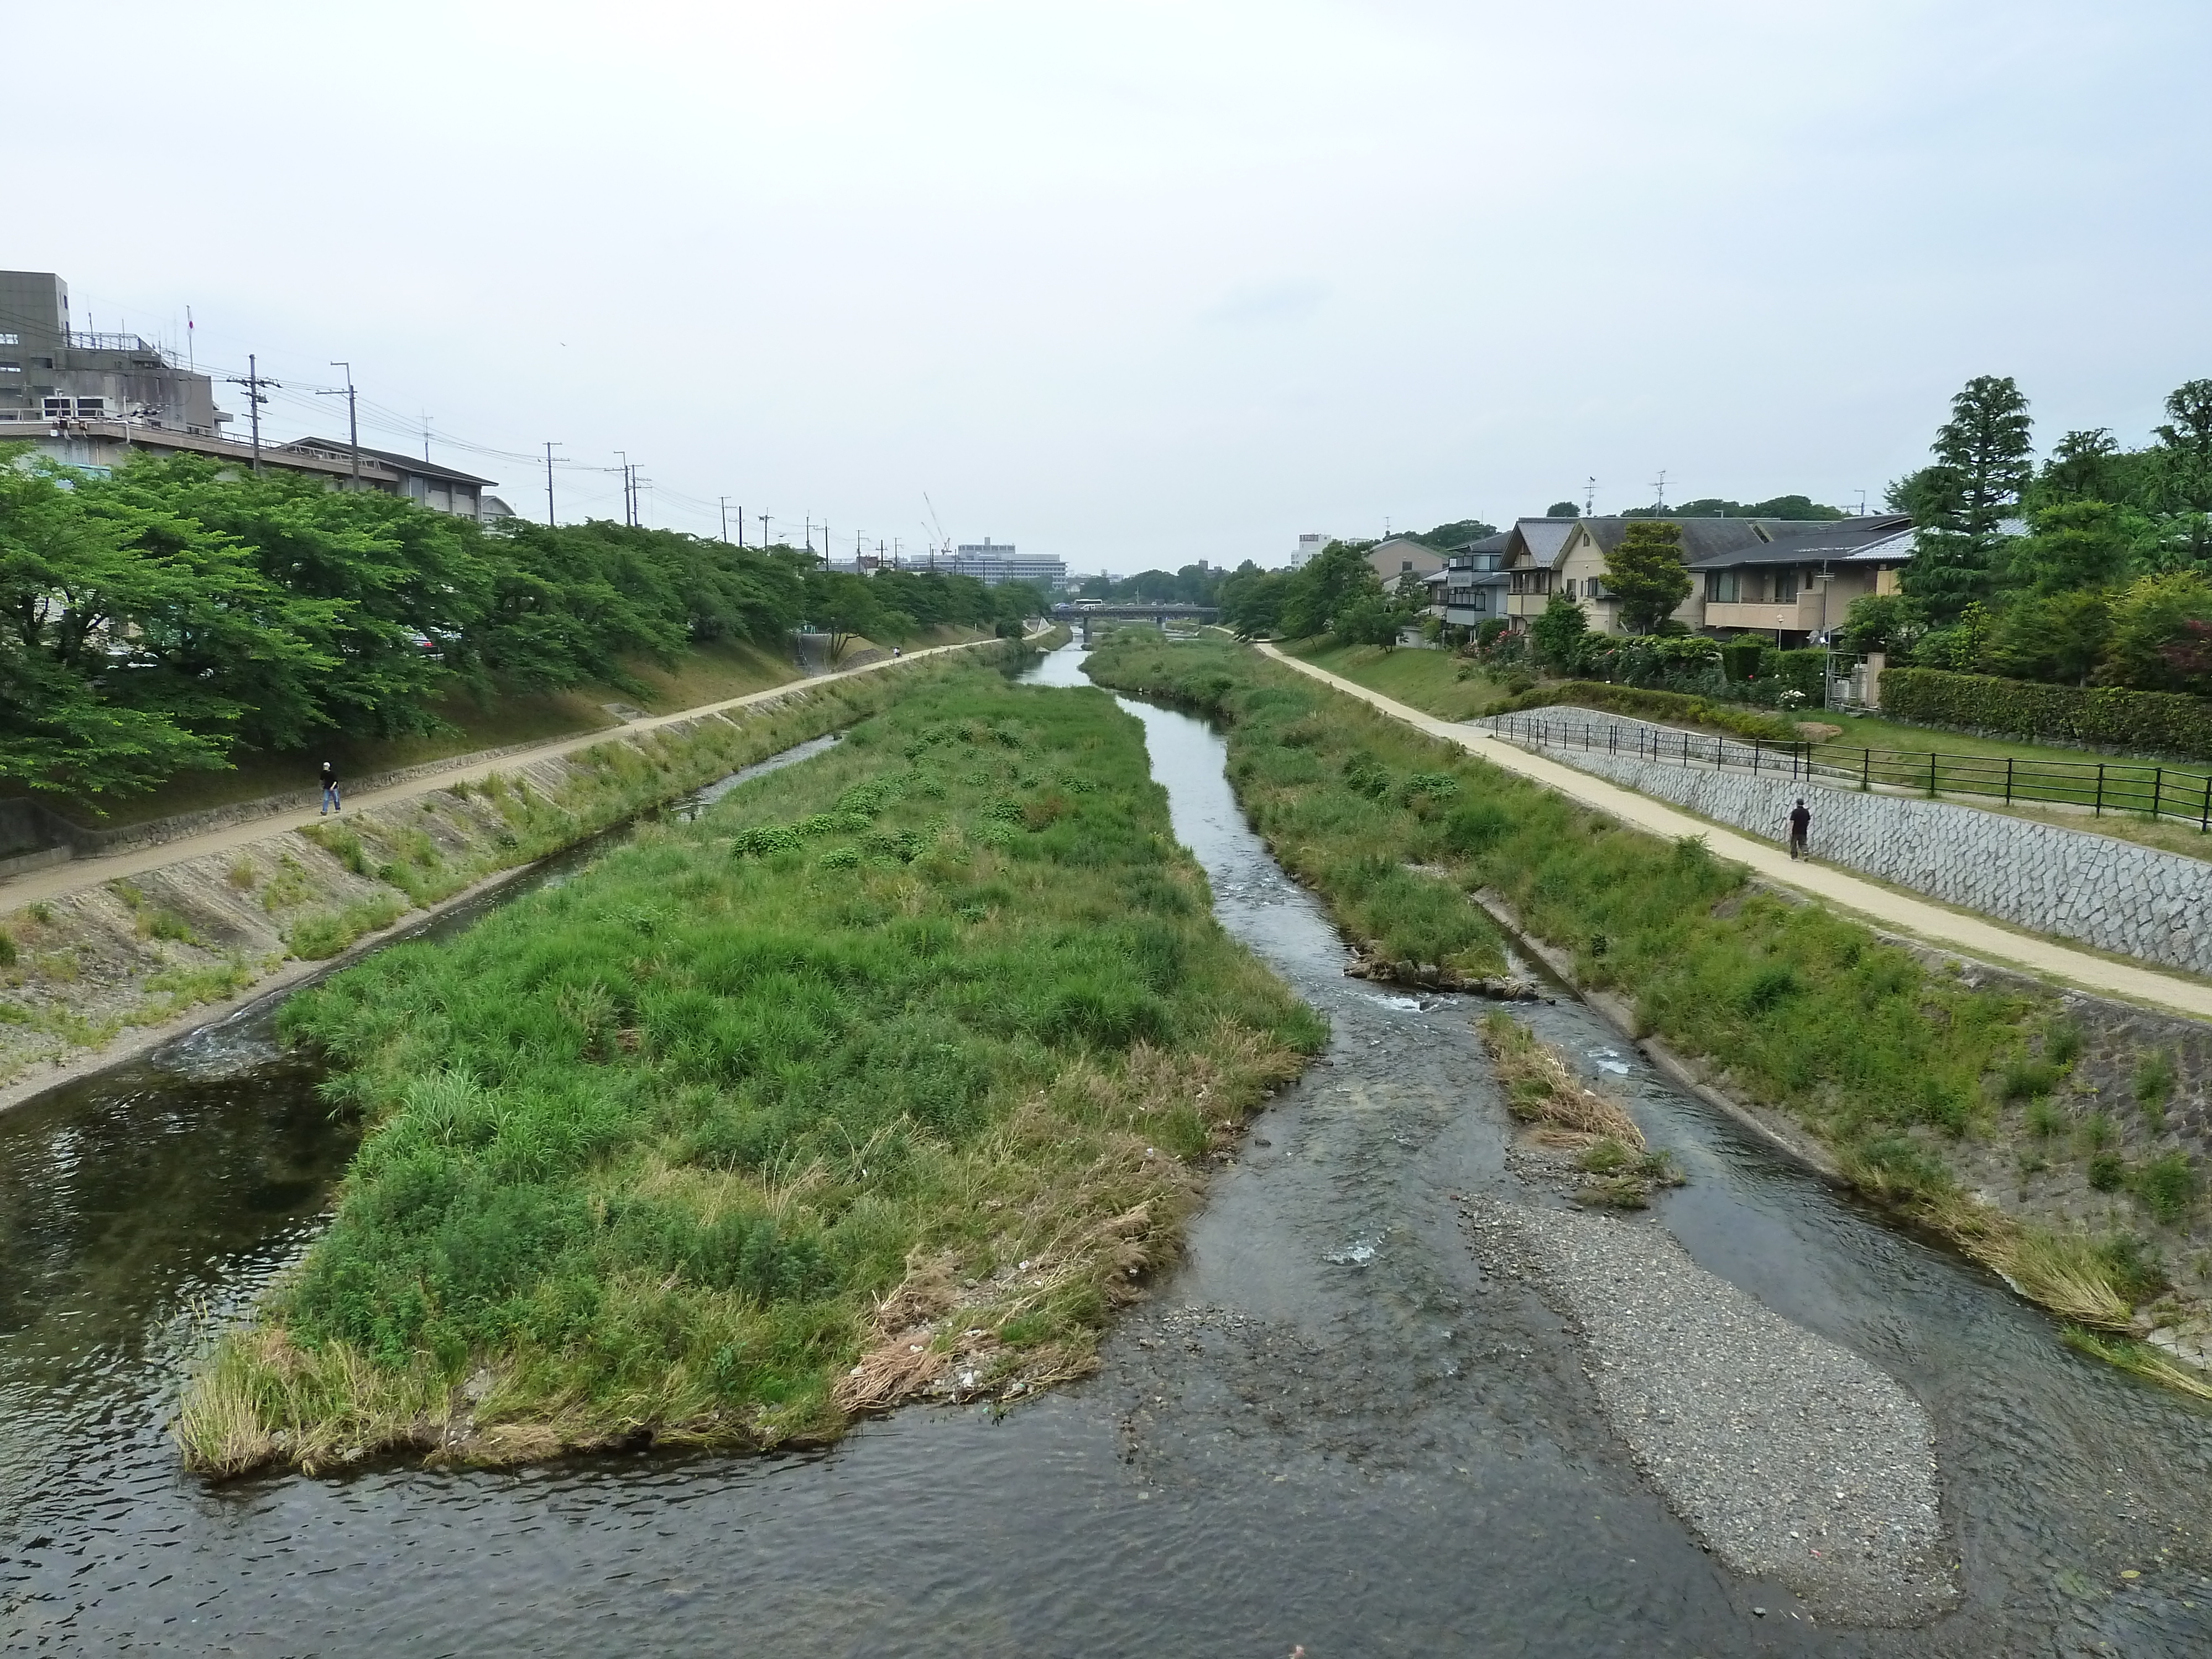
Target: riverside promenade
{"points": [[1901, 913], [59, 880]]}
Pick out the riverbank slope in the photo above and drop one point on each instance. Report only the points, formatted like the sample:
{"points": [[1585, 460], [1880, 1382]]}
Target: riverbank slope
{"points": [[2057, 1138], [103, 959]]}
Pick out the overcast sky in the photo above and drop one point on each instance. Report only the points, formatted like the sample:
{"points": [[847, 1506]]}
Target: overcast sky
{"points": [[1140, 284]]}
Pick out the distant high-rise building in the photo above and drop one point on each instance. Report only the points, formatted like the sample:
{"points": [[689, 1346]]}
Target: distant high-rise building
{"points": [[993, 562], [1309, 549]]}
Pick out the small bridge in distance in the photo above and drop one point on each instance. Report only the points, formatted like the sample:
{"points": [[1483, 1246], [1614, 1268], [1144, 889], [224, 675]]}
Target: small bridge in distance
{"points": [[1133, 611]]}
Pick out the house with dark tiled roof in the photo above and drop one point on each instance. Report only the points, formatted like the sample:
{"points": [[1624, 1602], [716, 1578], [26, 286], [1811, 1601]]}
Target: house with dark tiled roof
{"points": [[1798, 588]]}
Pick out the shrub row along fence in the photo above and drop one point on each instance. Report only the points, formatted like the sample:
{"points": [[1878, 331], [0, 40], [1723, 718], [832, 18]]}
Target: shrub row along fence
{"points": [[2102, 786]]}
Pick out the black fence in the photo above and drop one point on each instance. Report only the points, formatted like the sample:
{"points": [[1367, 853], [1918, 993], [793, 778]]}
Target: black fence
{"points": [[2169, 792]]}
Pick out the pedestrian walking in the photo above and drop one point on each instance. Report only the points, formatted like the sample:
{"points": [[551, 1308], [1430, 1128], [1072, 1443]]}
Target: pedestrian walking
{"points": [[1801, 820], [331, 801]]}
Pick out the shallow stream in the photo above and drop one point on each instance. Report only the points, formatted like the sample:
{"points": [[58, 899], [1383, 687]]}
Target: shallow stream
{"points": [[1328, 1428]]}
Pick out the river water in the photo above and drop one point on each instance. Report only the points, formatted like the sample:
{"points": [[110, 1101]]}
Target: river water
{"points": [[1327, 1429]]}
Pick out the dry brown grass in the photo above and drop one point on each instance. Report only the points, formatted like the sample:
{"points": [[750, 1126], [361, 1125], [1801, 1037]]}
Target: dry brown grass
{"points": [[1540, 1090]]}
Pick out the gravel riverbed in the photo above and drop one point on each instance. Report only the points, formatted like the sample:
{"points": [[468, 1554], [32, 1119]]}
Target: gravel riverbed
{"points": [[1791, 1458]]}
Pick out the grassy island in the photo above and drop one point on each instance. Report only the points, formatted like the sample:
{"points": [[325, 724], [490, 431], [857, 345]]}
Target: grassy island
{"points": [[890, 1075]]}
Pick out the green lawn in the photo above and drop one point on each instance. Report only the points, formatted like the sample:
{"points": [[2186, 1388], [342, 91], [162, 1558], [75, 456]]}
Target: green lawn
{"points": [[1440, 682], [2043, 772]]}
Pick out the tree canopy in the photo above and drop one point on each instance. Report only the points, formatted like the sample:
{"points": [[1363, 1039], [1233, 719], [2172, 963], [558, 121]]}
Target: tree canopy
{"points": [[1644, 572], [153, 620]]}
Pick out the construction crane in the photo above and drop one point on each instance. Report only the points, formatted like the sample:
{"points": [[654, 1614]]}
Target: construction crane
{"points": [[938, 526]]}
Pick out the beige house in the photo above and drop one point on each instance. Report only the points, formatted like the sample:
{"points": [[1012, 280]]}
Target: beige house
{"points": [[1792, 578], [1800, 589], [1401, 556]]}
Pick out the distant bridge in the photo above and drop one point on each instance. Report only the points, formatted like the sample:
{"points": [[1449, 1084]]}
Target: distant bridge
{"points": [[1133, 611]]}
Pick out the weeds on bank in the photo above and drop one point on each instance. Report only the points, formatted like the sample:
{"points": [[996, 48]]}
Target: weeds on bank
{"points": [[1888, 1061], [1542, 1091], [896, 1066]]}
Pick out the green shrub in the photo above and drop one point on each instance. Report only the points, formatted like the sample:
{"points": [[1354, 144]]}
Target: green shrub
{"points": [[2103, 717], [2046, 1118], [6, 949], [2167, 1186], [2107, 1171], [2153, 1086]]}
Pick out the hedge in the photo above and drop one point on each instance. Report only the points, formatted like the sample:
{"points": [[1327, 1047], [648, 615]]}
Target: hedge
{"points": [[2100, 716], [1662, 706]]}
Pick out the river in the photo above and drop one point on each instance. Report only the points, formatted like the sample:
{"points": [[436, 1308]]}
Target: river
{"points": [[1327, 1428]]}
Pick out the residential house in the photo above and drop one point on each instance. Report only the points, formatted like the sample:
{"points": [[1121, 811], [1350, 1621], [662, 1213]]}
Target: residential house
{"points": [[1799, 588], [1549, 556], [1533, 550], [1470, 589], [1401, 556]]}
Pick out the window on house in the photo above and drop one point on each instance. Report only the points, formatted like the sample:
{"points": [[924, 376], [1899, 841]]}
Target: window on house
{"points": [[10, 339], [11, 368], [1723, 586], [1481, 599], [58, 409], [92, 408], [1405, 565], [1786, 586]]}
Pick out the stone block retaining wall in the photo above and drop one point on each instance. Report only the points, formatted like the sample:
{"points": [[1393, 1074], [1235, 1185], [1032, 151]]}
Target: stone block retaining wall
{"points": [[2155, 906]]}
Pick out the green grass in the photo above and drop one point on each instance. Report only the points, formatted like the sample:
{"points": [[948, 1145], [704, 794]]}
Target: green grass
{"points": [[909, 1052], [1889, 1061], [1440, 682]]}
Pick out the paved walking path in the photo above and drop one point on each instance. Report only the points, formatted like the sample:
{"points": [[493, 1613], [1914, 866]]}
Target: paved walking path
{"points": [[1973, 936], [57, 881]]}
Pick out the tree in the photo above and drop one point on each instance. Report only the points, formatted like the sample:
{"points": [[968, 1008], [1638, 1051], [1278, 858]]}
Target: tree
{"points": [[1562, 510], [1559, 632], [2150, 616], [1333, 581], [2058, 637], [1369, 619], [1880, 622], [1959, 505], [2081, 468], [1775, 506], [2075, 545], [1644, 572], [120, 662], [1458, 533], [2184, 461], [1252, 601], [841, 605]]}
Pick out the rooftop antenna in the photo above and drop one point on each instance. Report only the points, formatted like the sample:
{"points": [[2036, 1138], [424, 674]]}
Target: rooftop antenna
{"points": [[1863, 503], [1660, 484], [1589, 497]]}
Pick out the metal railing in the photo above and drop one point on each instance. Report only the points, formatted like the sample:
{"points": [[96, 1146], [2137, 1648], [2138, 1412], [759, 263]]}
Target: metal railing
{"points": [[2152, 789]]}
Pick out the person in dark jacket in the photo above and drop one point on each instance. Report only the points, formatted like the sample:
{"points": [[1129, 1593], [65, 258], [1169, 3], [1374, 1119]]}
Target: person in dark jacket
{"points": [[331, 801], [1801, 820]]}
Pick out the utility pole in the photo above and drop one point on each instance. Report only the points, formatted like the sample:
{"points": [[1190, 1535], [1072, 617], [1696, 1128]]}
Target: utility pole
{"points": [[426, 439], [353, 418], [725, 501], [255, 398], [625, 455], [549, 478], [764, 540]]}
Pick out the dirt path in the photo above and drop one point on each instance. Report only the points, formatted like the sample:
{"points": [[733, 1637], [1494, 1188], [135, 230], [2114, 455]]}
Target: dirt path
{"points": [[58, 880], [1975, 936]]}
